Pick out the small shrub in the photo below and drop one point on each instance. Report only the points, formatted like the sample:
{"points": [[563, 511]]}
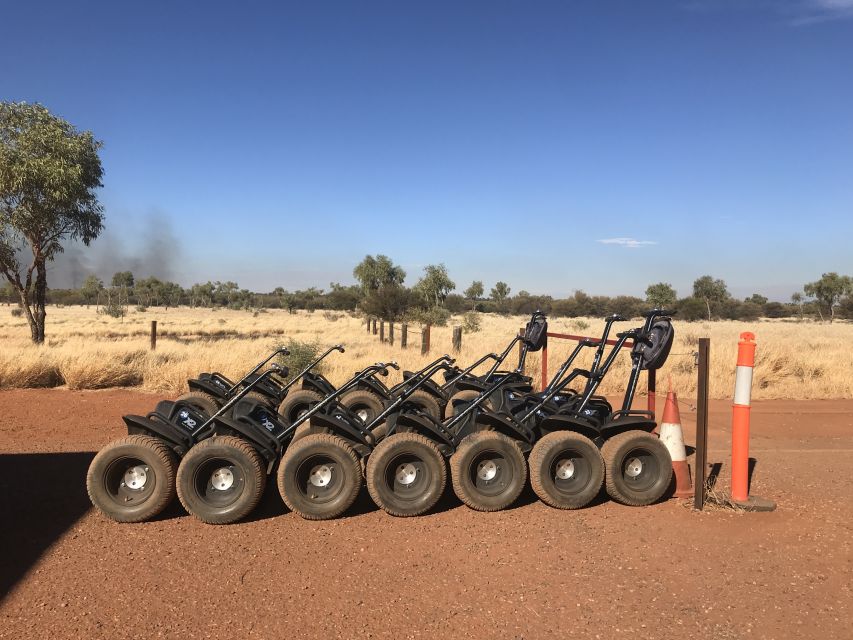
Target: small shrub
{"points": [[17, 312], [471, 322], [141, 308], [114, 309], [301, 355], [580, 325], [331, 317], [437, 316]]}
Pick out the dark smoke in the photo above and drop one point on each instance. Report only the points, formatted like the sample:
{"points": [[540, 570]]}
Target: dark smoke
{"points": [[146, 247]]}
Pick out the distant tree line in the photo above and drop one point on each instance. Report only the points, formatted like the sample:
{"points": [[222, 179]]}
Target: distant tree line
{"points": [[380, 292]]}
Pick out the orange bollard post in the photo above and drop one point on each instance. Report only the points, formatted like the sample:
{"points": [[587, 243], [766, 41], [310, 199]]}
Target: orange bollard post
{"points": [[740, 427]]}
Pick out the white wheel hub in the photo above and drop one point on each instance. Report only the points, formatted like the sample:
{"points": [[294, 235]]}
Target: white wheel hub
{"points": [[136, 477], [634, 467], [320, 476], [222, 479], [487, 470], [565, 469], [363, 415], [406, 473]]}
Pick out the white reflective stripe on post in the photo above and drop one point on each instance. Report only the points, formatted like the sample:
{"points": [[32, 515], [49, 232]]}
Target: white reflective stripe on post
{"points": [[743, 386]]}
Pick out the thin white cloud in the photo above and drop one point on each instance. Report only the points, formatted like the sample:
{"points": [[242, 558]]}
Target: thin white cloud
{"points": [[629, 243], [794, 12], [812, 11]]}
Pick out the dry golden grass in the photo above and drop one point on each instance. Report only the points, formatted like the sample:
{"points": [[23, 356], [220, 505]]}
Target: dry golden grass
{"points": [[86, 350]]}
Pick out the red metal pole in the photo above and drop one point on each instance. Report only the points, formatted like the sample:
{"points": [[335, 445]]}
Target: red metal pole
{"points": [[544, 366], [652, 387]]}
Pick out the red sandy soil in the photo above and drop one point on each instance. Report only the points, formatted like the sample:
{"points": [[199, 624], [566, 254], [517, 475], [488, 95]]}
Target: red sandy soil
{"points": [[607, 571]]}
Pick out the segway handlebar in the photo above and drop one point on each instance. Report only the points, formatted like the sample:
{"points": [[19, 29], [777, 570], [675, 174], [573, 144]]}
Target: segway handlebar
{"points": [[282, 351], [468, 370]]}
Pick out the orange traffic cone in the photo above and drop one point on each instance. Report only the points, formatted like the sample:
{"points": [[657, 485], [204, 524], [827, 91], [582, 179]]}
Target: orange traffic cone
{"points": [[672, 436]]}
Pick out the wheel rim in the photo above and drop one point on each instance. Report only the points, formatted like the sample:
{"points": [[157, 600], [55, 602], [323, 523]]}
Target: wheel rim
{"points": [[408, 476], [129, 481], [570, 472], [364, 412], [491, 472], [219, 482], [299, 412], [640, 469], [319, 478]]}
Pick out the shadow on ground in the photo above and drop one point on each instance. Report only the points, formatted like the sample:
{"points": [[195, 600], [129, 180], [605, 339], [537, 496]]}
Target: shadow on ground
{"points": [[42, 495]]}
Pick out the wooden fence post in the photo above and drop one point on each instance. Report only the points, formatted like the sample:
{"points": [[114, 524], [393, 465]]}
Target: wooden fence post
{"points": [[425, 339], [391, 333], [374, 326], [404, 335], [368, 325], [153, 335], [457, 339], [381, 331]]}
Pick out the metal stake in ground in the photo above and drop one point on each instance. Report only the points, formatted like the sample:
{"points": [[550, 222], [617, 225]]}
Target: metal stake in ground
{"points": [[740, 428]]}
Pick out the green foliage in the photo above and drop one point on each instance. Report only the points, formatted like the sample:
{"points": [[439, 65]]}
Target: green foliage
{"points": [[828, 291], [661, 295], [757, 298], [123, 279], [748, 311], [712, 292], [301, 355], [456, 303], [382, 286], [49, 176], [471, 322], [776, 310], [92, 286], [691, 309], [474, 292], [500, 292], [435, 316], [627, 306], [375, 273], [342, 298], [524, 303], [114, 308], [434, 285], [389, 302]]}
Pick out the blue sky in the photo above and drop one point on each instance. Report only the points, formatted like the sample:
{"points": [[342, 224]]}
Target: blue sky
{"points": [[278, 143]]}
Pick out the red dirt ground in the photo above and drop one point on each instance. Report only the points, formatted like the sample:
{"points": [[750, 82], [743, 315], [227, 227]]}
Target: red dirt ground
{"points": [[607, 571]]}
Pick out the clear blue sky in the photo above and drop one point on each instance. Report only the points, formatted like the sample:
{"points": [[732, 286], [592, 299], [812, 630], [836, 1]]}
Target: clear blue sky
{"points": [[278, 143]]}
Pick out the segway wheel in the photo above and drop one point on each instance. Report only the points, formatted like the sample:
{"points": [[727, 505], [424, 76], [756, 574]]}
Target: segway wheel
{"points": [[319, 476], [566, 470], [260, 397], [638, 468], [364, 404], [406, 474], [132, 479], [297, 403], [221, 480], [425, 403], [454, 405], [488, 471], [202, 401]]}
